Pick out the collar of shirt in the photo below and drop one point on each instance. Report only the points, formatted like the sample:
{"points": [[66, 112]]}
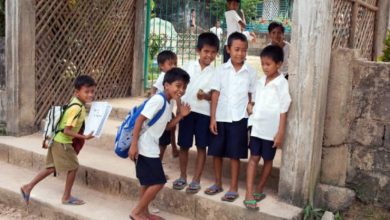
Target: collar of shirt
{"points": [[229, 65]]}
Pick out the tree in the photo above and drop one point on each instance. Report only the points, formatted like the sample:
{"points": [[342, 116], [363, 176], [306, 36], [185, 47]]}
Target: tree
{"points": [[386, 51], [218, 8]]}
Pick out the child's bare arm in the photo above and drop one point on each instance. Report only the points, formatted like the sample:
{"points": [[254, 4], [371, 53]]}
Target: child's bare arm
{"points": [[153, 91], [69, 132], [278, 140], [213, 110], [184, 110], [133, 151], [201, 95]]}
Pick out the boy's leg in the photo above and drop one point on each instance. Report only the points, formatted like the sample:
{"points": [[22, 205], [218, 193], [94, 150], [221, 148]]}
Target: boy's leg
{"points": [[68, 186], [267, 168], [175, 151], [38, 178], [235, 168], [218, 162], [251, 175], [162, 151], [199, 166], [147, 197], [183, 157]]}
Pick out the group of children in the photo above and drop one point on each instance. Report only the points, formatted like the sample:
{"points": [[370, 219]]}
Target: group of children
{"points": [[216, 106]]}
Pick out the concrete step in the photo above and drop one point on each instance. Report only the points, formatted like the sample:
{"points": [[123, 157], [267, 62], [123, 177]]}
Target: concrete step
{"points": [[46, 198], [103, 171]]}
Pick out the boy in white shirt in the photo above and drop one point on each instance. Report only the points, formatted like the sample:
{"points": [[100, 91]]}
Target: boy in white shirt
{"points": [[166, 60], [235, 23], [197, 123], [276, 33], [145, 149], [232, 87], [269, 115], [217, 30]]}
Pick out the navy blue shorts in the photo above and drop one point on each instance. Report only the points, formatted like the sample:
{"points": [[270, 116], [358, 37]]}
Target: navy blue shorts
{"points": [[231, 141], [165, 138], [197, 125], [149, 171], [263, 148]]}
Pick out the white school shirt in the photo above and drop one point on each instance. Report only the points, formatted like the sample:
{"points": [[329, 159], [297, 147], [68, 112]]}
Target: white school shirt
{"points": [[232, 19], [286, 53], [217, 31], [200, 79], [271, 100], [159, 83], [234, 88], [148, 141]]}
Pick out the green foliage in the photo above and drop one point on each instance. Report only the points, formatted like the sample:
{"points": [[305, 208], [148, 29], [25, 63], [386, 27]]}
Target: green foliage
{"points": [[218, 8], [338, 216], [386, 51], [311, 213]]}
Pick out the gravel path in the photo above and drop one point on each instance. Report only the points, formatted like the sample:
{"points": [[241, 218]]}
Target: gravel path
{"points": [[9, 213]]}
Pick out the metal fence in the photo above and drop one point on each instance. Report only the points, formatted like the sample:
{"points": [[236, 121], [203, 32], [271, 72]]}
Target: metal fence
{"points": [[354, 24], [73, 37]]}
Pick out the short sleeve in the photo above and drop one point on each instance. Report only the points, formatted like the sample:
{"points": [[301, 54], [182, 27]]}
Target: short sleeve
{"points": [[284, 97], [153, 106], [215, 83], [71, 116], [253, 81], [159, 82], [236, 17]]}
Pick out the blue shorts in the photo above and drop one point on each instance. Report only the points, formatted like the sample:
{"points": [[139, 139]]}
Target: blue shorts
{"points": [[231, 141], [197, 125], [165, 138], [263, 148], [149, 171]]}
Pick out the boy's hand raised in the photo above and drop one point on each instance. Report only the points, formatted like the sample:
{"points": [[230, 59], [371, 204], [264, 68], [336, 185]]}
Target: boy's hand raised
{"points": [[133, 152], [185, 109]]}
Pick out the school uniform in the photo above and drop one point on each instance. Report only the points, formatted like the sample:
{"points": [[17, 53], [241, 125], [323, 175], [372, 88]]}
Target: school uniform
{"points": [[271, 100], [232, 25], [286, 53], [231, 114], [197, 123], [149, 168]]}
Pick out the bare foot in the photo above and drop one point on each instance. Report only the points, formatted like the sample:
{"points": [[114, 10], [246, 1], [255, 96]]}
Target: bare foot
{"points": [[141, 216], [26, 189]]}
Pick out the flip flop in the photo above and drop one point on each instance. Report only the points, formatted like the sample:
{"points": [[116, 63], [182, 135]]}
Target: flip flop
{"points": [[26, 197], [251, 205], [73, 201], [179, 184], [259, 196], [193, 188], [213, 190], [230, 197], [155, 217]]}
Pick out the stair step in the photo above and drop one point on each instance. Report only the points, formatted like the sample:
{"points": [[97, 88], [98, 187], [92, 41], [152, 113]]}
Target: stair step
{"points": [[103, 171], [46, 198]]}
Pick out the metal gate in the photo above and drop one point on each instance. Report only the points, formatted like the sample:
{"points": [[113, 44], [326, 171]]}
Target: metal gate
{"points": [[73, 37]]}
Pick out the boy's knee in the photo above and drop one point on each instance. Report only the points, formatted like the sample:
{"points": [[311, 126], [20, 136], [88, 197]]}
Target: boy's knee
{"points": [[254, 159]]}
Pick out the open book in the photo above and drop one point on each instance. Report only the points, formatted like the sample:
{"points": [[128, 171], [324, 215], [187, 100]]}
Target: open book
{"points": [[97, 118]]}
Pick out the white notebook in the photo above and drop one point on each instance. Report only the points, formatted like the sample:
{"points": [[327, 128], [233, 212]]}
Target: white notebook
{"points": [[97, 118]]}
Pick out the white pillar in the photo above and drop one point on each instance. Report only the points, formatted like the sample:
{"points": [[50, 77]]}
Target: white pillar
{"points": [[309, 65], [20, 66]]}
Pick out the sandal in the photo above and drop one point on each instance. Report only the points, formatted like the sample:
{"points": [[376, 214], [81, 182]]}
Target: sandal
{"points": [[26, 197], [155, 217], [194, 187], [251, 205], [73, 201], [213, 190], [259, 196], [230, 197], [179, 184]]}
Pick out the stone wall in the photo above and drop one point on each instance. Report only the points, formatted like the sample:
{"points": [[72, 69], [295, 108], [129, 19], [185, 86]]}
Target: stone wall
{"points": [[356, 148], [2, 87]]}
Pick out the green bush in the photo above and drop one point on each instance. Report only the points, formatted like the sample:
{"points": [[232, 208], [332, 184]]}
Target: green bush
{"points": [[386, 51]]}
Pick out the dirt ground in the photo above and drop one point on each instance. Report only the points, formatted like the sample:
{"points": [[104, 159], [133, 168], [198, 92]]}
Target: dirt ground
{"points": [[8, 213], [360, 211]]}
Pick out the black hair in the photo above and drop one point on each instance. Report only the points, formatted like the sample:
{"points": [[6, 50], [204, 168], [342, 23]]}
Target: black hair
{"points": [[165, 55], [209, 39], [176, 74], [192, 10], [274, 25], [236, 36], [233, 1], [84, 80], [274, 52]]}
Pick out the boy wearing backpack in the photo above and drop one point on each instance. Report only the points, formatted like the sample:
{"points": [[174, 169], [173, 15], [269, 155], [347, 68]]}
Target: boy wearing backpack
{"points": [[145, 149], [61, 156]]}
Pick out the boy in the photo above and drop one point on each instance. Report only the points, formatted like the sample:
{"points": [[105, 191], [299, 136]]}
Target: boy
{"points": [[198, 121], [276, 33], [228, 117], [269, 117], [235, 23], [166, 60], [145, 149], [217, 30], [61, 157]]}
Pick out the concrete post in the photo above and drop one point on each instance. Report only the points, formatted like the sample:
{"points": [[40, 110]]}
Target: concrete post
{"points": [[381, 27], [139, 49], [20, 66], [309, 65]]}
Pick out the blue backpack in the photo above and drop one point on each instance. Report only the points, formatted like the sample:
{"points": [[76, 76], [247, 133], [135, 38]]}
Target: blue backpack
{"points": [[124, 135]]}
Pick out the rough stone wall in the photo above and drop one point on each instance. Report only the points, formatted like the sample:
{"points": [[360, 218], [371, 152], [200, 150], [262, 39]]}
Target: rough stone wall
{"points": [[356, 151], [2, 87]]}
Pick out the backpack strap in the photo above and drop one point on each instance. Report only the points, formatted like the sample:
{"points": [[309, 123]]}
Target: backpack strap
{"points": [[160, 112], [66, 108]]}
